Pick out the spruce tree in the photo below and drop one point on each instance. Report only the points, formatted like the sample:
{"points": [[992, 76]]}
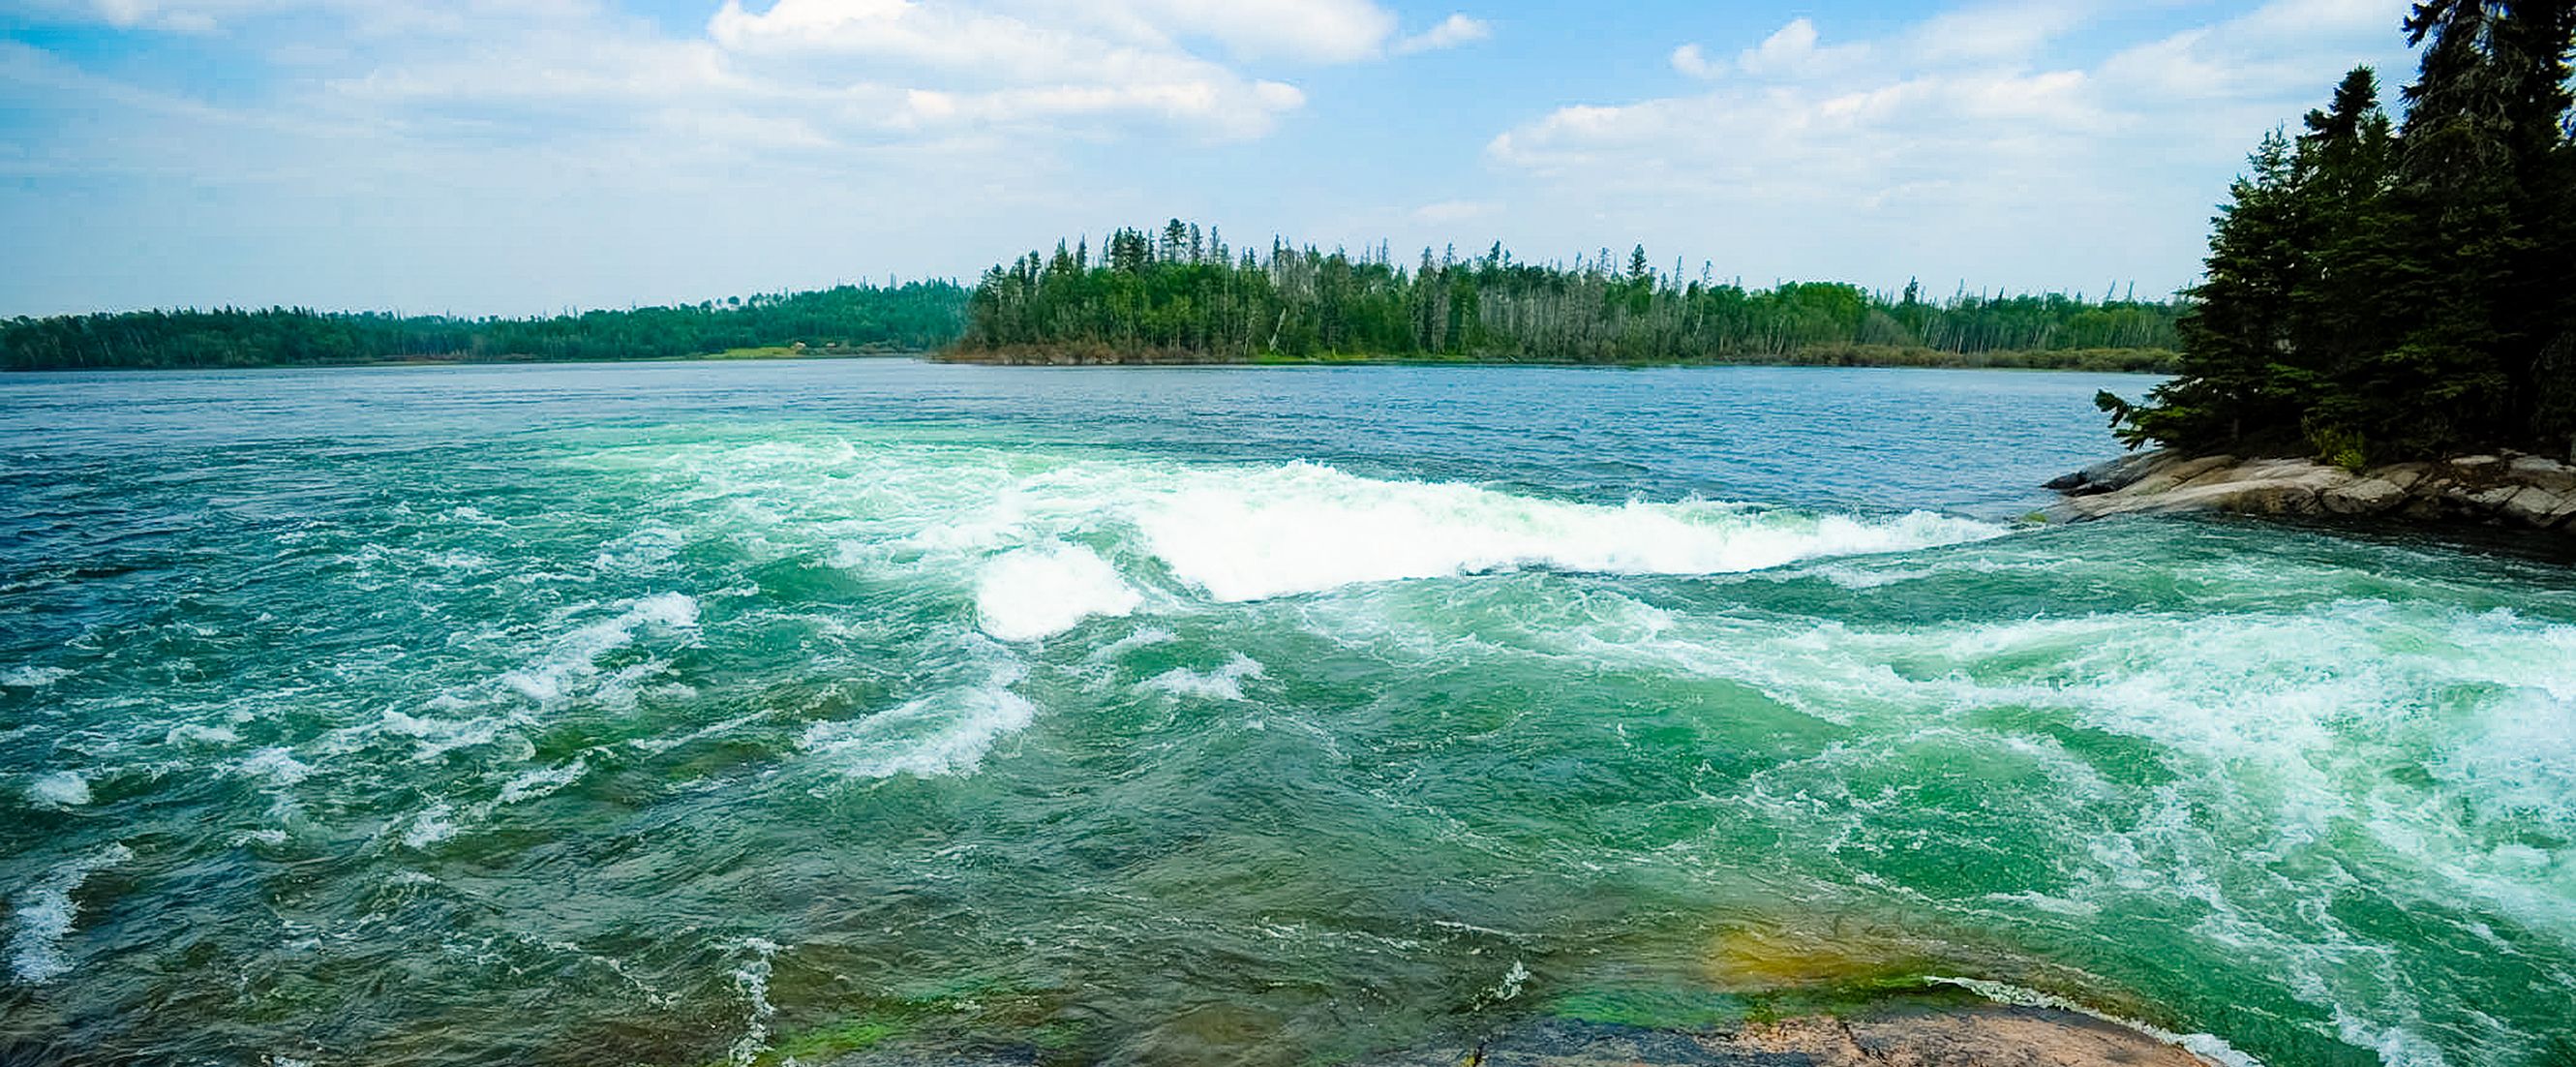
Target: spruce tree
{"points": [[2232, 383], [2399, 294]]}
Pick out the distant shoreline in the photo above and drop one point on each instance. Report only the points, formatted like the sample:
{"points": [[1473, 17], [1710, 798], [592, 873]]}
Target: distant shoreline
{"points": [[779, 355], [2132, 361]]}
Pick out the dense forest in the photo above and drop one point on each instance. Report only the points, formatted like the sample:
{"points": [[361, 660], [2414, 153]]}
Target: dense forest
{"points": [[915, 316], [2380, 290], [1180, 294]]}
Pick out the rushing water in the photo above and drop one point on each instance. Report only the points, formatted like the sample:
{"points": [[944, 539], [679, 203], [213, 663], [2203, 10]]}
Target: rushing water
{"points": [[672, 714]]}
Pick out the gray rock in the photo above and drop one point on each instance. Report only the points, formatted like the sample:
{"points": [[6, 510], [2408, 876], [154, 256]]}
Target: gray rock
{"points": [[2114, 474], [2515, 488], [2271, 496], [2563, 517], [2425, 507], [2488, 499], [2168, 476], [1966, 1037], [2542, 472], [2401, 475], [2534, 506], [2364, 496]]}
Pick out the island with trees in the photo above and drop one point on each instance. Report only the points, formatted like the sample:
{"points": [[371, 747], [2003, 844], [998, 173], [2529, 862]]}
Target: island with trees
{"points": [[1180, 294], [2388, 318]]}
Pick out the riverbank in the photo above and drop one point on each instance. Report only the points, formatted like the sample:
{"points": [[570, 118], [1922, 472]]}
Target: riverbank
{"points": [[2505, 489], [2101, 360]]}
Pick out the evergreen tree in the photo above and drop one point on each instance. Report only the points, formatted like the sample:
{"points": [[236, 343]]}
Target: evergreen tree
{"points": [[2384, 294], [2237, 334], [1302, 303], [913, 316]]}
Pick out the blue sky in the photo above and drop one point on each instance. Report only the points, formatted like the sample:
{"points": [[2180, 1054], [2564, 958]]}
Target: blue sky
{"points": [[479, 156]]}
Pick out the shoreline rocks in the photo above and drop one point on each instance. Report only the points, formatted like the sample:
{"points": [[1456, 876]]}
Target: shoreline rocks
{"points": [[2507, 488], [1986, 1036]]}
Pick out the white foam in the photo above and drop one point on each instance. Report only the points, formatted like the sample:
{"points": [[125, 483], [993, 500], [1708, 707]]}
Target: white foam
{"points": [[1223, 683], [1305, 528], [1144, 637], [45, 913], [1043, 591], [59, 789], [542, 781], [434, 824], [2443, 735], [197, 734], [437, 737], [32, 677], [576, 654], [278, 765], [752, 978], [945, 733]]}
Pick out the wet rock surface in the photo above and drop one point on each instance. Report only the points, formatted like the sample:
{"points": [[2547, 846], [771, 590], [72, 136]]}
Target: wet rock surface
{"points": [[2507, 489], [1971, 1037], [1982, 1036]]}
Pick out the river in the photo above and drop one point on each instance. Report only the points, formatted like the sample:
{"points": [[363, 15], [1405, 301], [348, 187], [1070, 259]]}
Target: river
{"points": [[707, 712]]}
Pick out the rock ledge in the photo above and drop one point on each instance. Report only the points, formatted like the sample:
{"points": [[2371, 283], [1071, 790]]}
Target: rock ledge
{"points": [[1993, 1036], [2506, 488]]}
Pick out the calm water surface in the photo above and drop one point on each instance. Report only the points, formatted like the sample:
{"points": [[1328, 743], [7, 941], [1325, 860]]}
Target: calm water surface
{"points": [[692, 713]]}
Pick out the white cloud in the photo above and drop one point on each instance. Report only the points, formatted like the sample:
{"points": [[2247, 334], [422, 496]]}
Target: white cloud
{"points": [[1783, 51], [1453, 31], [1959, 140], [1692, 62], [919, 66], [519, 155], [1791, 51], [796, 72], [372, 17], [1993, 32], [1319, 31]]}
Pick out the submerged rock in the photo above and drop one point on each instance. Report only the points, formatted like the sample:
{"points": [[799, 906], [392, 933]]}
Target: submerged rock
{"points": [[2509, 489]]}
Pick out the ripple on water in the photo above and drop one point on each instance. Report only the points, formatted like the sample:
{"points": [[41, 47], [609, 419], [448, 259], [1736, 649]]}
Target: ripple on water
{"points": [[622, 711]]}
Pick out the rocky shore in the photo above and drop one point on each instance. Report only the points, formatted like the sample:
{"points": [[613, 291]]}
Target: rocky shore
{"points": [[2506, 489], [1991, 1035]]}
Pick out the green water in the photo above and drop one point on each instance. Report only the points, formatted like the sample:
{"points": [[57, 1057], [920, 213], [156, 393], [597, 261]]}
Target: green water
{"points": [[689, 714]]}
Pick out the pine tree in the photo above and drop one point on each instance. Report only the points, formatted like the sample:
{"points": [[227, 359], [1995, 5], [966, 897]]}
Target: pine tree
{"points": [[2536, 43], [2347, 163], [2236, 335], [2408, 292]]}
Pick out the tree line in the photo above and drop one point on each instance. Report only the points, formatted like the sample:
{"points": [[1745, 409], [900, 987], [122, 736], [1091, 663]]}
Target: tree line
{"points": [[2378, 289], [1180, 294], [915, 316]]}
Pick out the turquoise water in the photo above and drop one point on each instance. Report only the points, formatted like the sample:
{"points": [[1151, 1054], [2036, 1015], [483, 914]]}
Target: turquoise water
{"points": [[691, 713]]}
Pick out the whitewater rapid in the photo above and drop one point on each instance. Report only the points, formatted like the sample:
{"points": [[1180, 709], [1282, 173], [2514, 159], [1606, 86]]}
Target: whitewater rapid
{"points": [[755, 722]]}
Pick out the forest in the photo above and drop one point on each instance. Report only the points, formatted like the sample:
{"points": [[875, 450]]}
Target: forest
{"points": [[2381, 289], [914, 316], [1179, 294]]}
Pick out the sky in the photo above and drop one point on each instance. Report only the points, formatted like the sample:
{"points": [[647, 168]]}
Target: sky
{"points": [[529, 156]]}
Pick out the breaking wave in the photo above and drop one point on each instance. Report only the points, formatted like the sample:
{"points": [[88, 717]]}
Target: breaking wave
{"points": [[1304, 528]]}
